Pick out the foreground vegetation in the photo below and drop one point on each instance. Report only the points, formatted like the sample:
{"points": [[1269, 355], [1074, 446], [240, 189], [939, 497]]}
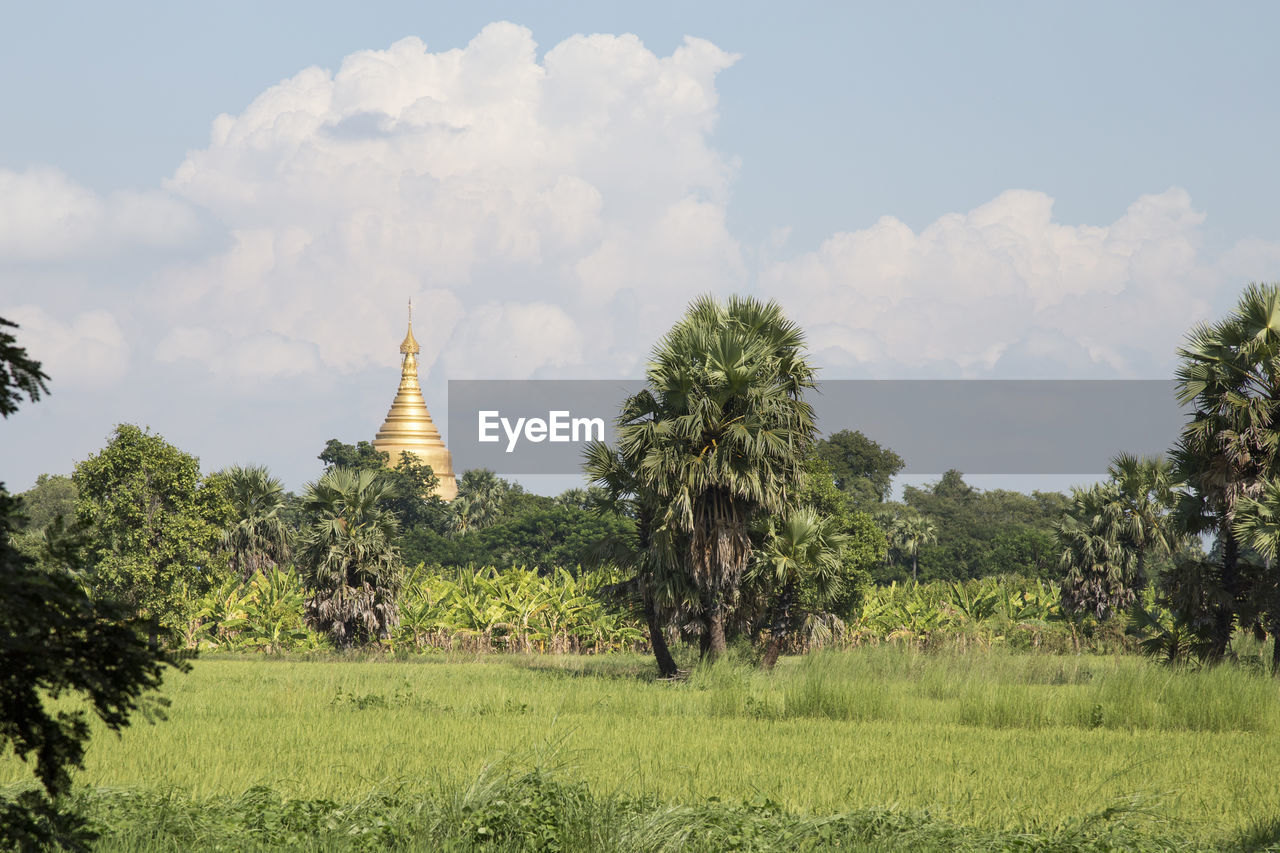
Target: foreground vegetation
{"points": [[883, 745]]}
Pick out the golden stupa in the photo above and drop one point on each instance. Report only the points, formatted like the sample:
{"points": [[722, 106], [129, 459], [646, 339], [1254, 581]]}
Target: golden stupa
{"points": [[409, 427]]}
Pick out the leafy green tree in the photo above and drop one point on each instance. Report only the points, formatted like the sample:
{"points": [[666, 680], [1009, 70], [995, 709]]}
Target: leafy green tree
{"points": [[53, 495], [413, 483], [1257, 526], [257, 537], [155, 524], [51, 500], [347, 557], [414, 499], [56, 641], [861, 467], [981, 533], [721, 431], [362, 454]]}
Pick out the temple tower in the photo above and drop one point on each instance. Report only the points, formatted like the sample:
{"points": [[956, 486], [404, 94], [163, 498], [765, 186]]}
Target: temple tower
{"points": [[409, 426]]}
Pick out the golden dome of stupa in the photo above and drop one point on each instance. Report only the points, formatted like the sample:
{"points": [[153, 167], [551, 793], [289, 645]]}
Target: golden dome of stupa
{"points": [[409, 426]]}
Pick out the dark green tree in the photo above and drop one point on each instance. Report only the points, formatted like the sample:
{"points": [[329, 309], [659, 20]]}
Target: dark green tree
{"points": [[861, 468], [56, 641], [19, 373], [980, 533], [362, 454]]}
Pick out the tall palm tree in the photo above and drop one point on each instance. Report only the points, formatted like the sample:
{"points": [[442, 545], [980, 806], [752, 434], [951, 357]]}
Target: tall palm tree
{"points": [[257, 538], [804, 549], [720, 434], [909, 532], [1230, 372], [347, 557]]}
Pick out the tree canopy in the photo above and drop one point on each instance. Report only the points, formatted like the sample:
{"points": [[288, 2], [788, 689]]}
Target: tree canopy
{"points": [[155, 523]]}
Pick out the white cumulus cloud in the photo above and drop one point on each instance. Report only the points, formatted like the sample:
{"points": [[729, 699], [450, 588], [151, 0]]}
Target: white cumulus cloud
{"points": [[1004, 288], [84, 351], [44, 215], [536, 211]]}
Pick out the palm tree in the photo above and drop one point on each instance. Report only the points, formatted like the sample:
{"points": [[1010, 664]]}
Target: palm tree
{"points": [[720, 434], [1230, 372], [462, 516], [1111, 529], [908, 533], [485, 493], [348, 559], [257, 538], [803, 550], [1257, 526]]}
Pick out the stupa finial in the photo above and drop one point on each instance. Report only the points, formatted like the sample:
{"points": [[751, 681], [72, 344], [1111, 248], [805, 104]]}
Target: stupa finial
{"points": [[410, 344]]}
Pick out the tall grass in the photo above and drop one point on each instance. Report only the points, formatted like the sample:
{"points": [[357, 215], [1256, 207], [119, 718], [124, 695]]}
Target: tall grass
{"points": [[992, 743]]}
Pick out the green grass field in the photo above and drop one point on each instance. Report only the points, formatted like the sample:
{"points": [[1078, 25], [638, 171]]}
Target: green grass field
{"points": [[991, 742]]}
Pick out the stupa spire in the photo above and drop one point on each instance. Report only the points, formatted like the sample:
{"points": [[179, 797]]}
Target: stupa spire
{"points": [[409, 427]]}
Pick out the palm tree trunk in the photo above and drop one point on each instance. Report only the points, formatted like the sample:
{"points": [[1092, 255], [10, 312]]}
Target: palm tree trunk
{"points": [[658, 639], [915, 564], [717, 645], [1225, 617], [1275, 651], [778, 627]]}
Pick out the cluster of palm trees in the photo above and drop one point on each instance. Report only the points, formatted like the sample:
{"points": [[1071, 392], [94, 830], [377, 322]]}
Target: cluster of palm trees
{"points": [[345, 553], [1222, 480], [709, 464]]}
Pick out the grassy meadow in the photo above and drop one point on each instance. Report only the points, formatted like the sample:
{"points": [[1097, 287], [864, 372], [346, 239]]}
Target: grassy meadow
{"points": [[990, 744]]}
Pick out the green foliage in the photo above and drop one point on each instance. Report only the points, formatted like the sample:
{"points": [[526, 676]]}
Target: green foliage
{"points": [[257, 537], [730, 758], [1112, 531], [542, 536], [412, 495], [980, 532], [19, 373], [1229, 371], [347, 556], [154, 523], [53, 495], [513, 610], [718, 438], [56, 642], [51, 501], [361, 455], [860, 467], [263, 614]]}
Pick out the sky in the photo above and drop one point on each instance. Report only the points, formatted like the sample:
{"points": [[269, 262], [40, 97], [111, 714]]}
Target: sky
{"points": [[211, 217]]}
